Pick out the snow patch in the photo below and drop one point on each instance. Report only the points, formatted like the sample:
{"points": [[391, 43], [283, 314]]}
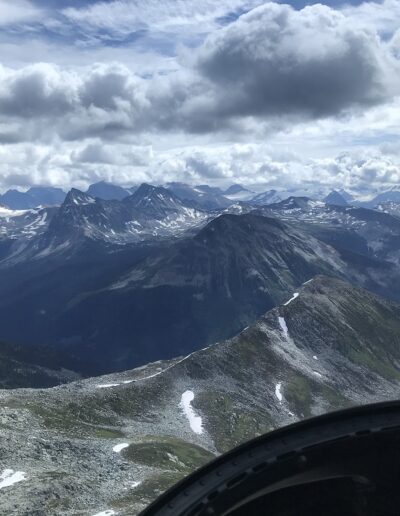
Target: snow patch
{"points": [[119, 447], [6, 212], [10, 477], [278, 393], [315, 357], [110, 512], [107, 385], [317, 374], [195, 421], [283, 325], [296, 294], [136, 484]]}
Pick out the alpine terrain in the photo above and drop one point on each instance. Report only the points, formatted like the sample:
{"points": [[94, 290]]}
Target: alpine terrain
{"points": [[109, 445]]}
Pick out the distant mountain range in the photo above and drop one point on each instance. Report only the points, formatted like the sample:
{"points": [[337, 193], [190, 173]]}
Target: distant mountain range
{"points": [[34, 197], [114, 443], [201, 196]]}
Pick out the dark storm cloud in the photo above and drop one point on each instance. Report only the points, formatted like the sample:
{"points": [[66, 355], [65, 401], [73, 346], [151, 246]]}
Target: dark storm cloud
{"points": [[276, 60]]}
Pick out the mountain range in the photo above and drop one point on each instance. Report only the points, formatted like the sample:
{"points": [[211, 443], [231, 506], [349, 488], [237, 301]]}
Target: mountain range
{"points": [[201, 196], [158, 277], [109, 445], [171, 327]]}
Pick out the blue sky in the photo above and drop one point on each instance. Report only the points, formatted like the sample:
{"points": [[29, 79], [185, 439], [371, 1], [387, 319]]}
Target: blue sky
{"points": [[269, 94]]}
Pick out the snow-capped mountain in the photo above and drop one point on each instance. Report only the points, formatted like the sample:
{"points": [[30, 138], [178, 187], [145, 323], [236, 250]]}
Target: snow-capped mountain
{"points": [[391, 207], [24, 224], [372, 233], [383, 197], [150, 212], [275, 196], [269, 197], [117, 441]]}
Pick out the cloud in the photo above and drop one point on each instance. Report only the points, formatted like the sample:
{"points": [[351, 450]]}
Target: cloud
{"points": [[39, 90], [308, 81], [276, 60], [18, 11], [121, 18], [96, 153], [274, 64]]}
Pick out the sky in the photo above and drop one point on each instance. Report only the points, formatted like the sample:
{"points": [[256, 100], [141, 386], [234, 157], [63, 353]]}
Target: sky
{"points": [[271, 95]]}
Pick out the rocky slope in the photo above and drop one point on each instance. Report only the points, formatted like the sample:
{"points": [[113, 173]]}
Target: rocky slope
{"points": [[113, 443]]}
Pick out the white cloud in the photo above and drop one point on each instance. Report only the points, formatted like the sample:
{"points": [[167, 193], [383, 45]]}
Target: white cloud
{"points": [[315, 84], [124, 17], [18, 11]]}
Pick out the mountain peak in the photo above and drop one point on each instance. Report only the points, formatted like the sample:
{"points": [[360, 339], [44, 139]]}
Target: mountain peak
{"points": [[336, 198], [107, 191], [295, 203], [77, 197], [235, 189], [149, 196]]}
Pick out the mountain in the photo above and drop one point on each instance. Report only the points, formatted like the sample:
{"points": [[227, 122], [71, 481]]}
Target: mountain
{"points": [[174, 295], [46, 196], [275, 196], [114, 443], [346, 195], [203, 197], [156, 202], [215, 190], [359, 234], [203, 289], [238, 192], [107, 191], [235, 189], [16, 200], [389, 196], [269, 197], [22, 225], [149, 213], [33, 198], [391, 207], [335, 198]]}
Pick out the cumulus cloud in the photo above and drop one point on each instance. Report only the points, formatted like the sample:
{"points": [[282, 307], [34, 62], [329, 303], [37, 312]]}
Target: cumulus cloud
{"points": [[272, 62], [276, 60], [36, 91], [123, 155], [314, 74]]}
